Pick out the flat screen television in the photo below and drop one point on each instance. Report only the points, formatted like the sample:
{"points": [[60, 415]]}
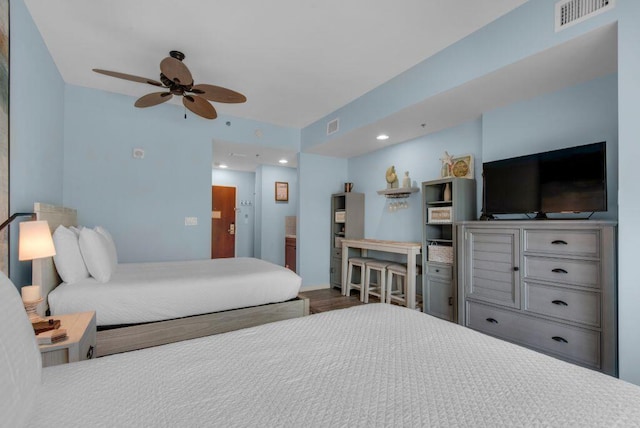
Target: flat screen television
{"points": [[566, 180]]}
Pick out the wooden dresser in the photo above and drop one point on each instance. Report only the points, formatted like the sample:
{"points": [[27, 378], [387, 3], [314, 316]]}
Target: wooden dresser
{"points": [[549, 285]]}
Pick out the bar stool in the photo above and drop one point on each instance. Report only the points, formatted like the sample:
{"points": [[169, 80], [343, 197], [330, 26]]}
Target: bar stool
{"points": [[358, 262], [398, 293], [378, 288]]}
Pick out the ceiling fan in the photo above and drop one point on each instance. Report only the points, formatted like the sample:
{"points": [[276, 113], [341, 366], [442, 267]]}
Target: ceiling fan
{"points": [[176, 78]]}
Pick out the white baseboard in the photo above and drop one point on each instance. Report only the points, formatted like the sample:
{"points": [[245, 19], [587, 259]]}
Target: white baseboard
{"points": [[315, 287]]}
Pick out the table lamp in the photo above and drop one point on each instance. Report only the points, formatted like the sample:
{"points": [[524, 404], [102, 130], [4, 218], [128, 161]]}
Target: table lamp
{"points": [[35, 243]]}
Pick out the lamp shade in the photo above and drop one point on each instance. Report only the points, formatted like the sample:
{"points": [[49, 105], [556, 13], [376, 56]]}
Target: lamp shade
{"points": [[35, 240]]}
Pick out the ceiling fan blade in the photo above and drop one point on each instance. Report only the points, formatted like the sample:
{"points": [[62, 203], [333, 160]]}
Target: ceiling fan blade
{"points": [[176, 71], [153, 99], [128, 77], [199, 106], [218, 94]]}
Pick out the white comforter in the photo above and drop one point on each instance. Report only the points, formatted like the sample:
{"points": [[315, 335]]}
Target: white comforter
{"points": [[145, 292], [374, 365]]}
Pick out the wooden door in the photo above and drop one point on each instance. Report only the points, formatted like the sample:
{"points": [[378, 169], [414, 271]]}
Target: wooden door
{"points": [[223, 222]]}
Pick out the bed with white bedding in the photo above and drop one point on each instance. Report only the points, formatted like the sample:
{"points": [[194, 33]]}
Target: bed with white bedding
{"points": [[157, 303], [372, 365], [147, 292]]}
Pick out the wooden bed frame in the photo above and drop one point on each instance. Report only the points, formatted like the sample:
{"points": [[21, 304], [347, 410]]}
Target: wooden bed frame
{"points": [[140, 336]]}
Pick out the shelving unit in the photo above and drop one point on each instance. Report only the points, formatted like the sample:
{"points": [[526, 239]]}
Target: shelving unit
{"points": [[347, 221], [439, 215]]}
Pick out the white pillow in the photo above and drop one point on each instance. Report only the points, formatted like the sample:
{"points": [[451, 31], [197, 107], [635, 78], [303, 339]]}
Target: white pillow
{"points": [[96, 254], [20, 361], [113, 254], [68, 259]]}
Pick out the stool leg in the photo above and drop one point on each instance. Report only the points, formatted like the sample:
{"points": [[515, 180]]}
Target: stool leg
{"points": [[364, 289], [389, 287], [347, 286], [383, 285]]}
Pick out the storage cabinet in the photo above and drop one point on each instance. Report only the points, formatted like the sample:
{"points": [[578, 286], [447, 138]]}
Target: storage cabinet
{"points": [[548, 285], [444, 202], [347, 221], [290, 253]]}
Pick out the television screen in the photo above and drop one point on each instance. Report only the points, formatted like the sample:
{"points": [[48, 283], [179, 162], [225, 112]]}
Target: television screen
{"points": [[565, 180]]}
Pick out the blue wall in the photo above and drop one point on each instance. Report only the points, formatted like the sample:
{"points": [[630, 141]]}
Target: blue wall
{"points": [[272, 213], [245, 184], [581, 114], [628, 193], [143, 202], [36, 127], [421, 157], [319, 177]]}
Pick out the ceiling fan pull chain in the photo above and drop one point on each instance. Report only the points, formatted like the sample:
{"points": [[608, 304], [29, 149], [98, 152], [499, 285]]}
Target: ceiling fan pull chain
{"points": [[185, 112]]}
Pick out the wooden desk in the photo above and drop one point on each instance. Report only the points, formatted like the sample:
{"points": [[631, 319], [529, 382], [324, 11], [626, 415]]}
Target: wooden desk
{"points": [[411, 249]]}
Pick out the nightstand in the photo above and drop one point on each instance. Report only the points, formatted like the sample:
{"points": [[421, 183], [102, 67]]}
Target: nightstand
{"points": [[80, 343]]}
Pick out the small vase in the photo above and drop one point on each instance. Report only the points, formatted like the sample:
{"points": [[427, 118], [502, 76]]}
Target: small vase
{"points": [[406, 181], [446, 196]]}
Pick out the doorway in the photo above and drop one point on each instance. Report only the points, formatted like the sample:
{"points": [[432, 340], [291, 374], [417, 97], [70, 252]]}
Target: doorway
{"points": [[223, 222]]}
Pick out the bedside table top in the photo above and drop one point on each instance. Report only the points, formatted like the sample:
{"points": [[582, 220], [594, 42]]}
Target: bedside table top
{"points": [[76, 326]]}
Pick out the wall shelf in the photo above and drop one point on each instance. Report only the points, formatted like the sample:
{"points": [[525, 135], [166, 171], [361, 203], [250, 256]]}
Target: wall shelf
{"points": [[398, 192]]}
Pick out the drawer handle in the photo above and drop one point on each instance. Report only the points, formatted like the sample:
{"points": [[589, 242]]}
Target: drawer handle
{"points": [[559, 303], [560, 339], [559, 242], [90, 353], [492, 321], [516, 268], [559, 270], [450, 301], [437, 270]]}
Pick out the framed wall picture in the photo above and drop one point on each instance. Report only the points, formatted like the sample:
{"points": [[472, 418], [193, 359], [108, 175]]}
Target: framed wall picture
{"points": [[462, 166], [282, 191]]}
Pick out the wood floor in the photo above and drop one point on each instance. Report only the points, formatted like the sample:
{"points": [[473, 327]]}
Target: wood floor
{"points": [[329, 299]]}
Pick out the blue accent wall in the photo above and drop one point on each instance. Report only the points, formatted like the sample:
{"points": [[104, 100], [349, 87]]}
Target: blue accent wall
{"points": [[36, 125], [245, 184], [320, 177], [421, 157], [628, 193], [574, 116], [142, 202], [272, 214]]}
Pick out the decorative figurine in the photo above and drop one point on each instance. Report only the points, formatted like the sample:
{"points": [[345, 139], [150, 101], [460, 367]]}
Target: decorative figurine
{"points": [[406, 181], [447, 163], [392, 177]]}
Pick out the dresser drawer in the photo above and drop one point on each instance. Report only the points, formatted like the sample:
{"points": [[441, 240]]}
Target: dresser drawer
{"points": [[573, 343], [563, 242], [563, 303], [585, 273], [439, 270]]}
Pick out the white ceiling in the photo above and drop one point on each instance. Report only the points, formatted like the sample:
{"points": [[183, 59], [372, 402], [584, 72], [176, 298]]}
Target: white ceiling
{"points": [[296, 61], [247, 157]]}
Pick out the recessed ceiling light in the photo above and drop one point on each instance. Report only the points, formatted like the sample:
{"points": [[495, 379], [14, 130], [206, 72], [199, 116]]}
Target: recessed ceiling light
{"points": [[223, 166], [283, 161], [382, 137]]}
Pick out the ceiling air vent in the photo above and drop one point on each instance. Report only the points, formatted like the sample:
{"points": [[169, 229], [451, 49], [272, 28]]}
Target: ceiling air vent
{"points": [[332, 127], [570, 12]]}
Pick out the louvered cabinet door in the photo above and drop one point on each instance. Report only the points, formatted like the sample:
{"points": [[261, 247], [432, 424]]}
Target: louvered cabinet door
{"points": [[492, 266]]}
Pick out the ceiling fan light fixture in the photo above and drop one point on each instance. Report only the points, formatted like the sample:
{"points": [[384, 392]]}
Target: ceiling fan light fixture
{"points": [[283, 161], [194, 97]]}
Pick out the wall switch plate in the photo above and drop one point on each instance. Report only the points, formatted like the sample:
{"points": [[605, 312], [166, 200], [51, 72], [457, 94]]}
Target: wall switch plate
{"points": [[191, 221]]}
